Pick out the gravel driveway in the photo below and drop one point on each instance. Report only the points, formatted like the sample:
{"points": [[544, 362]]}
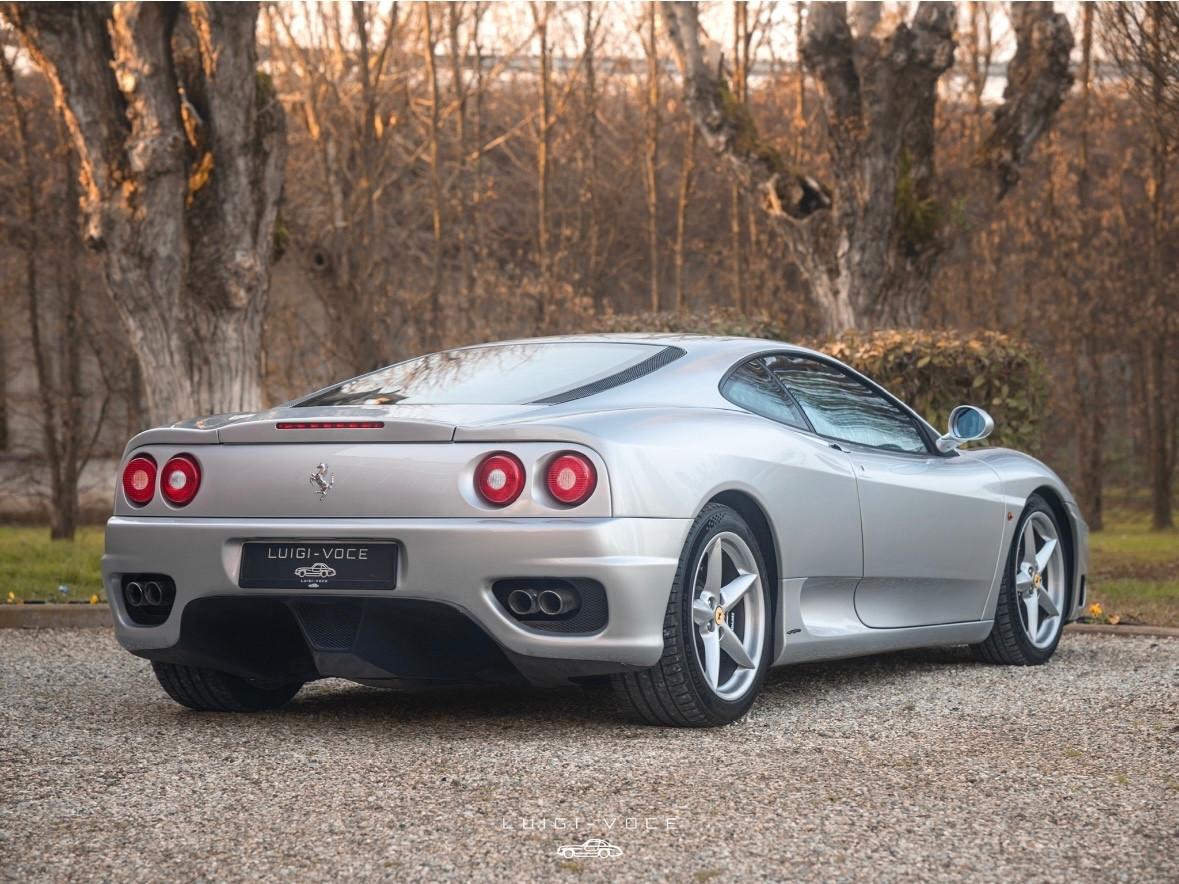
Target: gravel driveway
{"points": [[920, 765]]}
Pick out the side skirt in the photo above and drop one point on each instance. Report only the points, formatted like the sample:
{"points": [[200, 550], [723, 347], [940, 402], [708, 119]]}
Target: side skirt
{"points": [[817, 621]]}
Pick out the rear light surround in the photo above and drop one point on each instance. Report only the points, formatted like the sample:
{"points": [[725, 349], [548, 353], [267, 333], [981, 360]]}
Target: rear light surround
{"points": [[571, 478], [180, 480], [139, 480], [500, 479]]}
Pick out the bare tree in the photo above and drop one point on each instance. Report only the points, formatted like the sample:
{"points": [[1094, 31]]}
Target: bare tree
{"points": [[588, 193], [740, 93], [1143, 41], [349, 119], [868, 244], [687, 179], [544, 137], [464, 198], [180, 141], [54, 328], [651, 150], [1088, 374], [429, 46]]}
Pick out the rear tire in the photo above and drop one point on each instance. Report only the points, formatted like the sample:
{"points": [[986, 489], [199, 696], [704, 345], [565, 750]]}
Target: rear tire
{"points": [[209, 690], [1009, 642], [679, 691]]}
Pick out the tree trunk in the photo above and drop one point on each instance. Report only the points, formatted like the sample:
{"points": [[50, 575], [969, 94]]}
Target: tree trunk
{"points": [[180, 143], [463, 196], [589, 184], [540, 14], [687, 170], [63, 509], [434, 335], [868, 245], [1090, 383], [740, 87], [651, 157]]}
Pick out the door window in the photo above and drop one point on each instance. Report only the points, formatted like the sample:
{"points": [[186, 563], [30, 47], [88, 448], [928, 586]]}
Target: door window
{"points": [[843, 407]]}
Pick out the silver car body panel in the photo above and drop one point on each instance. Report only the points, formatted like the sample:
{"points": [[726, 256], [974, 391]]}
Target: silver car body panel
{"points": [[452, 561], [874, 550]]}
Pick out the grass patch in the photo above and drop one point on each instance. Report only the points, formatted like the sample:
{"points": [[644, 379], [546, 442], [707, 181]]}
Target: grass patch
{"points": [[34, 567], [1134, 571]]}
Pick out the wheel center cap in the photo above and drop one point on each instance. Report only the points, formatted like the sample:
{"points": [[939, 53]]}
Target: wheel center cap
{"points": [[719, 615], [1037, 580]]}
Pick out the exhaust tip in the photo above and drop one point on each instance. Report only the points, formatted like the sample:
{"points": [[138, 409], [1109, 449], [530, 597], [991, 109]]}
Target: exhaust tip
{"points": [[553, 602], [153, 593], [133, 593], [521, 602]]}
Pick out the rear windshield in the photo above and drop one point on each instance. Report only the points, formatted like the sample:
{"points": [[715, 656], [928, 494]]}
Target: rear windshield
{"points": [[501, 374]]}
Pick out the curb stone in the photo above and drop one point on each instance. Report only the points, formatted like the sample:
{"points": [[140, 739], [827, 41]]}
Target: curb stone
{"points": [[56, 616], [1110, 629]]}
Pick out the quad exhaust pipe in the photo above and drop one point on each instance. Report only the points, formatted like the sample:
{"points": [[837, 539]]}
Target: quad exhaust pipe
{"points": [[153, 593], [522, 602], [556, 601], [144, 593], [550, 602]]}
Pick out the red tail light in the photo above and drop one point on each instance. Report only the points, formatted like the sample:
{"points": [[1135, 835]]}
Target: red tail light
{"points": [[499, 478], [180, 480], [139, 480], [572, 478], [332, 425]]}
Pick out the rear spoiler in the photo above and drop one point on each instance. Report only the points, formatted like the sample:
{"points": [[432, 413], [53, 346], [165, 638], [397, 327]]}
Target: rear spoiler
{"points": [[271, 432]]}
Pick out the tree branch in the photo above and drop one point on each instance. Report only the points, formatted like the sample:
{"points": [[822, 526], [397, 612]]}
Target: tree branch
{"points": [[1038, 79], [829, 52], [728, 128], [70, 42]]}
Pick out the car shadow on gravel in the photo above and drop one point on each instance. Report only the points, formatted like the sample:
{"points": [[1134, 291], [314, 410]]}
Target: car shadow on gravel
{"points": [[508, 708], [444, 709], [805, 679]]}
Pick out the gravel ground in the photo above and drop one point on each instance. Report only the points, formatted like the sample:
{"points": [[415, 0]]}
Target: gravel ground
{"points": [[912, 766]]}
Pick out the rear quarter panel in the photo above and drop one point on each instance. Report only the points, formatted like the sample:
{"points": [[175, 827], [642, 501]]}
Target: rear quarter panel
{"points": [[667, 463]]}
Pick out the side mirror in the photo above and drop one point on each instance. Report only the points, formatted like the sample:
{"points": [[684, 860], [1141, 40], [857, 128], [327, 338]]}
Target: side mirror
{"points": [[967, 424]]}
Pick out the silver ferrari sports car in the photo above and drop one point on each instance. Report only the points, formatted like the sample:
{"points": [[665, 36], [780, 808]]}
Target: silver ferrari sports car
{"points": [[671, 514]]}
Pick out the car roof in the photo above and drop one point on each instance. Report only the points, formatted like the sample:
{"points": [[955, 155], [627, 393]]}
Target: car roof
{"points": [[690, 381], [692, 344]]}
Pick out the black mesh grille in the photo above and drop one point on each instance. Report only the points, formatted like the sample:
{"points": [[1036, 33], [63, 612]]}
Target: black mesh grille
{"points": [[666, 356], [329, 626]]}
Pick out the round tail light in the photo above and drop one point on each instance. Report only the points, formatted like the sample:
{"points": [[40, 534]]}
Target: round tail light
{"points": [[499, 478], [572, 478], [139, 480], [180, 480]]}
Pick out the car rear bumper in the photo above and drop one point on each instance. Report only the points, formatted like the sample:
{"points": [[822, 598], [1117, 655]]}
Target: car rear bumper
{"points": [[449, 563]]}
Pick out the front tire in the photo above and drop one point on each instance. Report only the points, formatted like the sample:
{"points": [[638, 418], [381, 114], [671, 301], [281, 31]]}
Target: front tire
{"points": [[209, 690], [1034, 597], [716, 631]]}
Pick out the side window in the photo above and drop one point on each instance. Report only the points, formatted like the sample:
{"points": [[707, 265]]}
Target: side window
{"points": [[753, 388], [842, 407]]}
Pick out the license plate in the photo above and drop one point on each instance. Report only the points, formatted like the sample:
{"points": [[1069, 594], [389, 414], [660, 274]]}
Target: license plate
{"points": [[318, 565]]}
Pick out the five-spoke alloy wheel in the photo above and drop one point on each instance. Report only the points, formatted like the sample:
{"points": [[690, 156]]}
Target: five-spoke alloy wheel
{"points": [[716, 631], [729, 613], [1030, 611]]}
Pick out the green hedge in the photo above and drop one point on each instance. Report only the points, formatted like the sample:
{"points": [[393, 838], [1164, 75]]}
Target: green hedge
{"points": [[930, 370]]}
